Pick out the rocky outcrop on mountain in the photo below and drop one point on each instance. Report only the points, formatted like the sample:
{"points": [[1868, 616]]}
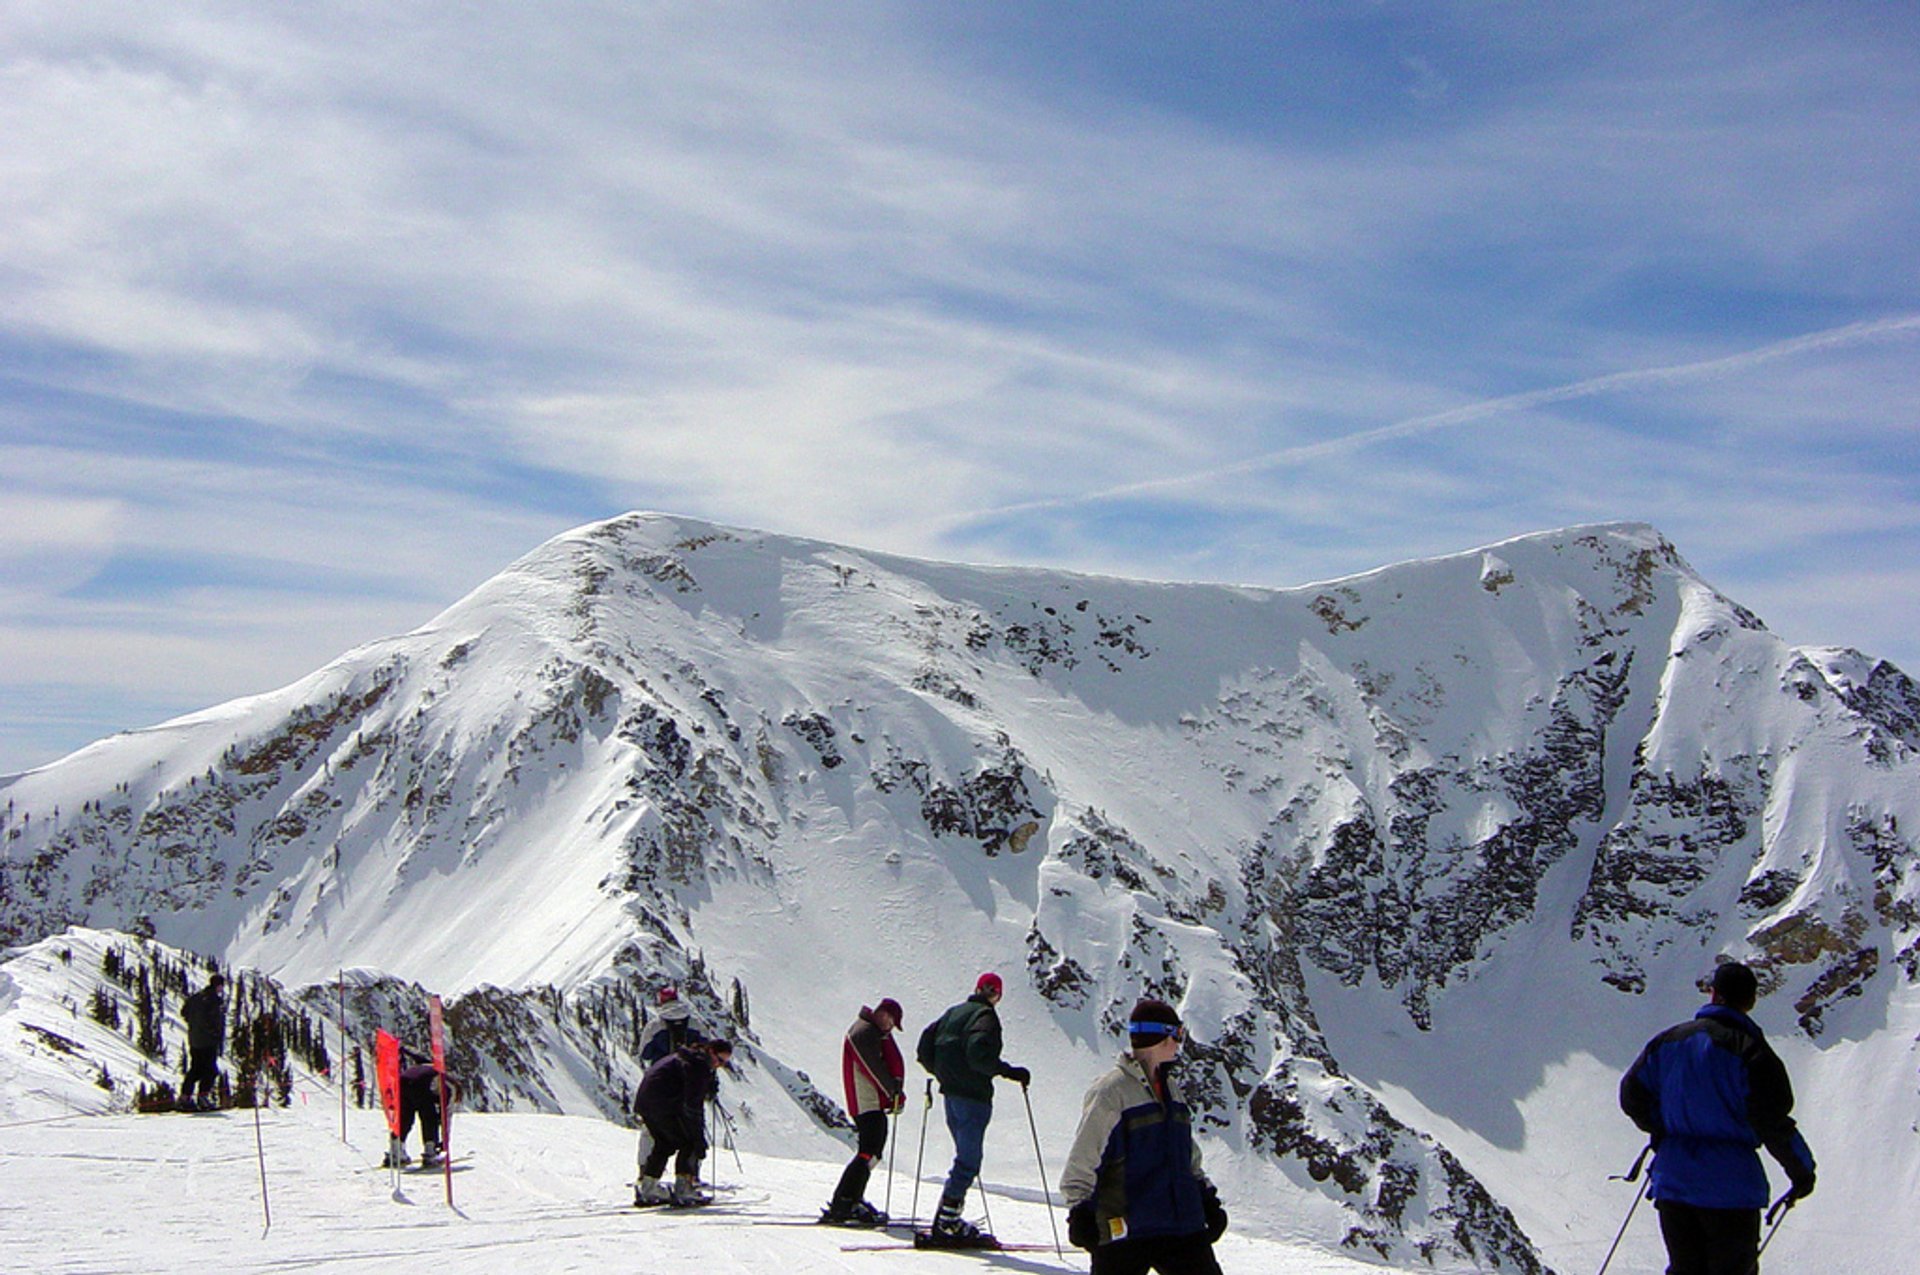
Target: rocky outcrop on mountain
{"points": [[576, 783]]}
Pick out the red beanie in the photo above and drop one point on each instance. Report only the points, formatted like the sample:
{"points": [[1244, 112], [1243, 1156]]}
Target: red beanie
{"points": [[990, 983]]}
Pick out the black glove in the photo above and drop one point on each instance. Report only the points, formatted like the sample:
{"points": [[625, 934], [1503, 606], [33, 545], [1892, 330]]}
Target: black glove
{"points": [[1213, 1211], [1018, 1075], [1083, 1228], [1802, 1185]]}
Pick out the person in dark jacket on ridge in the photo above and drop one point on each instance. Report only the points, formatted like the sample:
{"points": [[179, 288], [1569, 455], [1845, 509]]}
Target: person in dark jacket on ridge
{"points": [[1709, 1092], [672, 1027], [962, 1050], [1136, 1196], [671, 1102], [875, 1077], [206, 1014]]}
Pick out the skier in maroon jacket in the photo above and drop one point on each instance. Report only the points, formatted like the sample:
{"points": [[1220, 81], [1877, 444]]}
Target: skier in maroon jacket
{"points": [[875, 1076]]}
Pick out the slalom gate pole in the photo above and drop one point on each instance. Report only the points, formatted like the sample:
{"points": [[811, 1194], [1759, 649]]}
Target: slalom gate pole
{"points": [[920, 1161], [340, 1067], [260, 1146], [1040, 1160], [437, 1035], [1775, 1216], [1632, 1175]]}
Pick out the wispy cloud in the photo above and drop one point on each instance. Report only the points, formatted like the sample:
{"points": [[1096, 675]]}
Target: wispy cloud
{"points": [[1511, 405], [388, 295]]}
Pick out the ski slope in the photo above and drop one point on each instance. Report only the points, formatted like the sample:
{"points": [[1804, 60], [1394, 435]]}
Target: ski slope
{"points": [[106, 1193]]}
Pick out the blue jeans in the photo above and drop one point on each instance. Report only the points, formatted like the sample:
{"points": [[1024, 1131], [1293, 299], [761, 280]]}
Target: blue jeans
{"points": [[967, 1121]]}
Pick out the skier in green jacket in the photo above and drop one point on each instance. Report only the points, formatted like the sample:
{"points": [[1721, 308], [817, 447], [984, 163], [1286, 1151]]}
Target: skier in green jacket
{"points": [[962, 1050]]}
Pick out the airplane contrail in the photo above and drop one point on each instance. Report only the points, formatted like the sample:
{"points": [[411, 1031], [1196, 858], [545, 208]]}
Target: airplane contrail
{"points": [[1851, 334]]}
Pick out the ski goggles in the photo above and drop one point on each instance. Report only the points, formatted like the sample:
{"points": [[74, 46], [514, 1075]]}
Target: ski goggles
{"points": [[1174, 1030]]}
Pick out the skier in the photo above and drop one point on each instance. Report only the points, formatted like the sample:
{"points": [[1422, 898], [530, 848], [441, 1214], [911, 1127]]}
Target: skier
{"points": [[1136, 1196], [420, 1096], [206, 1015], [962, 1049], [670, 1104], [671, 1028], [875, 1076], [1708, 1092]]}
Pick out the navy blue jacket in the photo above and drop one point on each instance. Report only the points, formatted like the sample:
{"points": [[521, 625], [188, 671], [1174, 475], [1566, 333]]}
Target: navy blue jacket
{"points": [[1134, 1157], [1709, 1093]]}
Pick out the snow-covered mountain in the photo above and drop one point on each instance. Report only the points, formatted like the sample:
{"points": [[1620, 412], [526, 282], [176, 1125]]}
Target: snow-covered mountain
{"points": [[1424, 854]]}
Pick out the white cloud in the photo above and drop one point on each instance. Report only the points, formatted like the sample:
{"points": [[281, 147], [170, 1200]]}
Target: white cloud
{"points": [[795, 268], [49, 542]]}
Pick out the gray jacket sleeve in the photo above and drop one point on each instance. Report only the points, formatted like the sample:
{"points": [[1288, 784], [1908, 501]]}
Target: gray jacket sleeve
{"points": [[1099, 1113]]}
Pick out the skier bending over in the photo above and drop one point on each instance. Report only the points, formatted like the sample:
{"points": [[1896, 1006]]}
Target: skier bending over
{"points": [[420, 1097], [962, 1049], [671, 1027], [670, 1103], [1136, 1197], [875, 1077], [206, 1015]]}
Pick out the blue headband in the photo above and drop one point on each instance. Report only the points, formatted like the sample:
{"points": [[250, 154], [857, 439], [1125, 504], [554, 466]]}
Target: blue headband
{"points": [[1154, 1029]]}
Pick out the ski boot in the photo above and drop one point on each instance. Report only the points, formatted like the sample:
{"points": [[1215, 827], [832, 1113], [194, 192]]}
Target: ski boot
{"points": [[864, 1214], [950, 1230], [431, 1156], [396, 1157], [852, 1213], [650, 1193], [686, 1193]]}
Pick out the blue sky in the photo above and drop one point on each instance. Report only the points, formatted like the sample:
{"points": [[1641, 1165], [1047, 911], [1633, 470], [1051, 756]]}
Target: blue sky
{"points": [[314, 317]]}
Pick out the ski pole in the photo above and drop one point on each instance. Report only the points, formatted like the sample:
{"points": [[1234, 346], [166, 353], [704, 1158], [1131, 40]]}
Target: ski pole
{"points": [[1632, 1176], [893, 1151], [712, 1134], [1040, 1160], [920, 1161], [733, 1136], [1775, 1216]]}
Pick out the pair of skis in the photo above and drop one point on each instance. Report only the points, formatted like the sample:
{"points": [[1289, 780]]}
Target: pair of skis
{"points": [[916, 1240]]}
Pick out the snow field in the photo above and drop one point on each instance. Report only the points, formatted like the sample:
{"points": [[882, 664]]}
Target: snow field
{"points": [[126, 1193]]}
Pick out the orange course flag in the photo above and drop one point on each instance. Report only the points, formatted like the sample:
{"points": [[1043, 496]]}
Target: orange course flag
{"points": [[386, 1072]]}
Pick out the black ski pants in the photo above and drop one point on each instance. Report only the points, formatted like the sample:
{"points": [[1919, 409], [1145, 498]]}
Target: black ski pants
{"points": [[1709, 1241], [1162, 1254], [677, 1136], [872, 1129], [203, 1072], [420, 1099]]}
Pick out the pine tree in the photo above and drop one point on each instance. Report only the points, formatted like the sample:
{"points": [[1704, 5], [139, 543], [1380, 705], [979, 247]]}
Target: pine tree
{"points": [[147, 1019], [105, 1007]]}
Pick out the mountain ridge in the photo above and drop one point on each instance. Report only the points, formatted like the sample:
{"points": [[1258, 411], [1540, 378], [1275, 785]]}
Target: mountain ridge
{"points": [[653, 739]]}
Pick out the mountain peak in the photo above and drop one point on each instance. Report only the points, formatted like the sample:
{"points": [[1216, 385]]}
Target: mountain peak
{"points": [[1323, 820]]}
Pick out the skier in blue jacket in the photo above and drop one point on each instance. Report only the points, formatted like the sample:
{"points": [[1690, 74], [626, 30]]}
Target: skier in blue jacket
{"points": [[1710, 1092], [1137, 1198]]}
